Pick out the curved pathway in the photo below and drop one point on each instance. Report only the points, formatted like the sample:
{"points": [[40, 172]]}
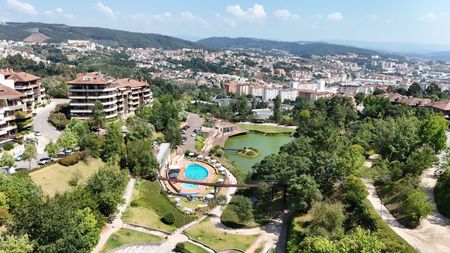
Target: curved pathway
{"points": [[117, 223], [433, 234]]}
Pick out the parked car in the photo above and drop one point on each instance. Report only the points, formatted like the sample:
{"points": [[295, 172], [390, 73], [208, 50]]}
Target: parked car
{"points": [[45, 160], [18, 158], [34, 114], [37, 133]]}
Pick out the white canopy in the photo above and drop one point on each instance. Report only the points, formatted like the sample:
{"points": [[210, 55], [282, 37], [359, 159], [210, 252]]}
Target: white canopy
{"points": [[220, 180], [191, 154], [210, 196]]}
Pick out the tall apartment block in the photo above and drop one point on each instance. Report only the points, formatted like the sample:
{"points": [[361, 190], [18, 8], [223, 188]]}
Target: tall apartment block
{"points": [[120, 97], [28, 84], [10, 103]]}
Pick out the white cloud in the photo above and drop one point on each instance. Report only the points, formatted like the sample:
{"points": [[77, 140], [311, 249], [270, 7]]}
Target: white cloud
{"points": [[58, 12], [285, 15], [430, 16], [106, 10], [22, 7], [252, 14], [335, 16], [372, 17]]}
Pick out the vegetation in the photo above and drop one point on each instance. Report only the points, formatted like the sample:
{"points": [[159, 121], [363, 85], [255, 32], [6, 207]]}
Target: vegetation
{"points": [[249, 152], [238, 213], [199, 142], [267, 129], [442, 193], [127, 236], [151, 204], [207, 233], [56, 178], [187, 247]]}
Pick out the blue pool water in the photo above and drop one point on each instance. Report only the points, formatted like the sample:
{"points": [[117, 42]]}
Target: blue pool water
{"points": [[194, 172]]}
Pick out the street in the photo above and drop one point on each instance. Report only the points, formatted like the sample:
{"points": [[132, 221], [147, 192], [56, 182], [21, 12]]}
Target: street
{"points": [[195, 122], [48, 133]]}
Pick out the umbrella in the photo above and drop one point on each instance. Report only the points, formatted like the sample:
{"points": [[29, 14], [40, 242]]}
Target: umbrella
{"points": [[210, 196]]}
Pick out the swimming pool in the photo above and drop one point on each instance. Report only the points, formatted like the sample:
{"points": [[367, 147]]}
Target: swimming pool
{"points": [[194, 172]]}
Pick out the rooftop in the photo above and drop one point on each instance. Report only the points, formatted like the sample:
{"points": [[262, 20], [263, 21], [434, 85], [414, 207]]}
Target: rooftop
{"points": [[8, 93]]}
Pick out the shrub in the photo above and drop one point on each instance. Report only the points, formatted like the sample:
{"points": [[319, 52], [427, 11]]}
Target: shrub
{"points": [[134, 203], [168, 219], [76, 177], [442, 193], [72, 159], [181, 247], [8, 146]]}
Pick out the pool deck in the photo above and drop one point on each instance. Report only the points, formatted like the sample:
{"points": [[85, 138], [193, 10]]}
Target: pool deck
{"points": [[178, 189]]}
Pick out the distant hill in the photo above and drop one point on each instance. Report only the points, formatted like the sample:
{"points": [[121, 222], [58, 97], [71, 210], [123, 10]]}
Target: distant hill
{"points": [[295, 48], [61, 33], [434, 56]]}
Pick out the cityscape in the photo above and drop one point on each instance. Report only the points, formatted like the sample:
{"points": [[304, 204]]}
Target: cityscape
{"points": [[257, 128]]}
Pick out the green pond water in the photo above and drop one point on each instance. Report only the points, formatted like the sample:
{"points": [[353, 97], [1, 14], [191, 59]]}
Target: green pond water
{"points": [[266, 144]]}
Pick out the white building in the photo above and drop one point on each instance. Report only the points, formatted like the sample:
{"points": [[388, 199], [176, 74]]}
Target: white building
{"points": [[270, 94]]}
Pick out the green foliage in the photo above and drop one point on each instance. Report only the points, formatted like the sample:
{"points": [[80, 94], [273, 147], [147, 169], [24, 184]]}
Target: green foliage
{"points": [[416, 207], [433, 132], [56, 89], [78, 127], [442, 193], [91, 144], [52, 149], [238, 212], [72, 159], [277, 110], [168, 218], [8, 146], [67, 140], [353, 190], [139, 129], [58, 120], [419, 160], [140, 159], [107, 186], [98, 115], [7, 160], [29, 153], [327, 219], [113, 142], [15, 244], [303, 192], [414, 90]]}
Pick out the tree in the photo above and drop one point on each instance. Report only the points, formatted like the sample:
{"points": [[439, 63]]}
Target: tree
{"points": [[318, 244], [359, 241], [52, 149], [106, 187], [7, 160], [113, 142], [243, 208], [90, 143], [359, 97], [141, 161], [78, 127], [354, 159], [67, 140], [98, 115], [327, 219], [303, 191], [416, 207], [415, 90], [29, 153], [277, 113], [139, 129], [15, 244], [433, 90], [354, 190], [172, 132], [442, 194], [242, 108], [433, 132], [419, 160]]}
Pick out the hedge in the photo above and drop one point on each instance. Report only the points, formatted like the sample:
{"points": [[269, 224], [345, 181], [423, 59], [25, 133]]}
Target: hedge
{"points": [[72, 158]]}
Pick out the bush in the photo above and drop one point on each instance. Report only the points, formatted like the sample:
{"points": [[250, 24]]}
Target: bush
{"points": [[76, 177], [181, 247], [134, 203], [168, 219], [72, 159], [442, 193], [8, 146]]}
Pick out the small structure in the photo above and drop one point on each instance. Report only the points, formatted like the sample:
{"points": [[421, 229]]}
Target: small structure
{"points": [[225, 127], [163, 156], [174, 171]]}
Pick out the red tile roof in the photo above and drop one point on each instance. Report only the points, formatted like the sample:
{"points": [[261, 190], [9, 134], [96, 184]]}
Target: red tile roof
{"points": [[442, 105], [23, 77], [93, 78], [8, 93], [127, 82]]}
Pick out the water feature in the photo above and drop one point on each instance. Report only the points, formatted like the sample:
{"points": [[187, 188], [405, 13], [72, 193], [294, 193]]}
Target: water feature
{"points": [[194, 172], [266, 144]]}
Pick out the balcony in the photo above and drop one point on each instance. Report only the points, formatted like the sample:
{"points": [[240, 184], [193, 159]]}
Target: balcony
{"points": [[77, 96], [92, 103]]}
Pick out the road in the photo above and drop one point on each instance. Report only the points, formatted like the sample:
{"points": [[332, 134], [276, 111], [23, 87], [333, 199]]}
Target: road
{"points": [[48, 132], [195, 122]]}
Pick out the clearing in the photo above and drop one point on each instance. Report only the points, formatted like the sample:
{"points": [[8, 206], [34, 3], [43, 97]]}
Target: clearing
{"points": [[127, 236], [56, 178], [267, 128]]}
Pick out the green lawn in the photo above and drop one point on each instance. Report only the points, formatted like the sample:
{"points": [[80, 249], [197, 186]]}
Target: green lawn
{"points": [[55, 178], [151, 205], [206, 233], [192, 248], [127, 236], [199, 142], [267, 129]]}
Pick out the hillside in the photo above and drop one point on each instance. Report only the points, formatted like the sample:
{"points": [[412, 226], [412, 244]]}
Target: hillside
{"points": [[61, 33], [295, 48]]}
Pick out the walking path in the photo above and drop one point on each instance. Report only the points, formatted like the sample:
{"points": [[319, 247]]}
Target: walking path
{"points": [[433, 234], [117, 223]]}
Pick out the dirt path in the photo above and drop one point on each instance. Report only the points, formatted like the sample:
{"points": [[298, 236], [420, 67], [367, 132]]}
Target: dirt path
{"points": [[117, 223]]}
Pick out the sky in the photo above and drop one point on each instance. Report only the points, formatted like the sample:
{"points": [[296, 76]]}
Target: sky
{"points": [[405, 21]]}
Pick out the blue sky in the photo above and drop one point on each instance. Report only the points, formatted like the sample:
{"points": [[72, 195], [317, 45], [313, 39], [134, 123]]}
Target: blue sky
{"points": [[412, 21]]}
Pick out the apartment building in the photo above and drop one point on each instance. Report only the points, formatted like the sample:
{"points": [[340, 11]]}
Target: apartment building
{"points": [[28, 84], [120, 97], [10, 103]]}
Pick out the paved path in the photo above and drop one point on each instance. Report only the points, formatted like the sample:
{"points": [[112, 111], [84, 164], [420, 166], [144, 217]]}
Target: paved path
{"points": [[433, 234], [117, 223], [195, 122]]}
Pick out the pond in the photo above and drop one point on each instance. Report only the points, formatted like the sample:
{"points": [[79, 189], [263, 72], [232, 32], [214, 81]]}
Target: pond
{"points": [[266, 144]]}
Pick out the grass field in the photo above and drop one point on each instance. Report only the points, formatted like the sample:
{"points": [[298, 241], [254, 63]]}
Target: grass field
{"points": [[192, 248], [267, 129], [151, 205], [199, 142], [206, 233], [127, 236], [55, 178]]}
